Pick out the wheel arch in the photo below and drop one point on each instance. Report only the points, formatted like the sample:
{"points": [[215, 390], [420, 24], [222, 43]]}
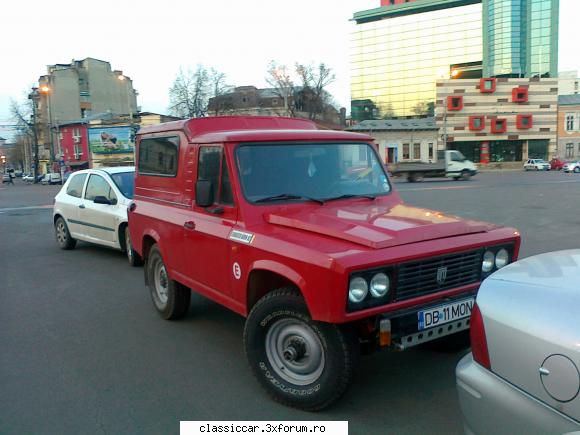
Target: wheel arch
{"points": [[267, 276], [121, 234]]}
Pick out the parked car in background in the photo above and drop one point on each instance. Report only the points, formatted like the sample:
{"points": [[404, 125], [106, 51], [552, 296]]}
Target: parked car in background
{"points": [[6, 178], [92, 206], [557, 164], [536, 165], [18, 173], [51, 178], [572, 167], [522, 374]]}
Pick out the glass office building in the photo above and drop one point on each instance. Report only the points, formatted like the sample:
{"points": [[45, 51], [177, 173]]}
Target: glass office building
{"points": [[520, 38], [396, 59], [399, 51]]}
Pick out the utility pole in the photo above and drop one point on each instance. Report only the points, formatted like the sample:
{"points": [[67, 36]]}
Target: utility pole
{"points": [[32, 96]]}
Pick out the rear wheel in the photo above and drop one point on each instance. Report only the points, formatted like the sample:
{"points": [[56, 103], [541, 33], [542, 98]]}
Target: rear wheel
{"points": [[63, 237], [170, 298], [300, 362]]}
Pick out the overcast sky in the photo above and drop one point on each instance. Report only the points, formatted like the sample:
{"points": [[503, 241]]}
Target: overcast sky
{"points": [[150, 41]]}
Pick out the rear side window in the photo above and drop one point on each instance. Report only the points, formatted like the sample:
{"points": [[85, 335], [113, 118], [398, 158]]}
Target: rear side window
{"points": [[159, 156], [75, 186]]}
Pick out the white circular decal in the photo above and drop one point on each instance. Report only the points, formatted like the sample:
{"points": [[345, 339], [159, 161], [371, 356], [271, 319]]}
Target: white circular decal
{"points": [[237, 271]]}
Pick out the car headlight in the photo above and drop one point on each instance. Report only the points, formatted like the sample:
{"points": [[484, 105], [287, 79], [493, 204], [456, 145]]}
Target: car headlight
{"points": [[380, 285], [357, 290], [502, 258], [488, 261]]}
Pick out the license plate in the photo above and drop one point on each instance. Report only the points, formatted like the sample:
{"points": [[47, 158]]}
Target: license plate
{"points": [[445, 314]]}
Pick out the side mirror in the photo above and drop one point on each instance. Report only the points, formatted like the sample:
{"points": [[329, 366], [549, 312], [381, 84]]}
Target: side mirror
{"points": [[203, 193], [104, 200]]}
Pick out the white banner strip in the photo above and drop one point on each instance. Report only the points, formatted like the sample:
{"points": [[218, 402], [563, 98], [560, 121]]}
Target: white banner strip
{"points": [[264, 427]]}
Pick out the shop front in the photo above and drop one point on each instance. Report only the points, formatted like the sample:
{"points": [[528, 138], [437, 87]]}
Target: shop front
{"points": [[498, 151]]}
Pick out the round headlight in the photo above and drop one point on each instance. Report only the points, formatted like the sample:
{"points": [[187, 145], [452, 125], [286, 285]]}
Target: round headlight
{"points": [[379, 285], [502, 258], [488, 261], [357, 290]]}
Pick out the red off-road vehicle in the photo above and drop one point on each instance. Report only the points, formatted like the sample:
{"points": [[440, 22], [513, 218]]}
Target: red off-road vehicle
{"points": [[301, 231]]}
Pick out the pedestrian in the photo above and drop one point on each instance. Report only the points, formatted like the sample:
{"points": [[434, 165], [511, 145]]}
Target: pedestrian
{"points": [[11, 178]]}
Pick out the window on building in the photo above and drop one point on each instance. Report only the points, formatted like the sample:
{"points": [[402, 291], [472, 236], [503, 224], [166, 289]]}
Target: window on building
{"points": [[569, 150], [274, 102], [76, 132], [158, 156], [454, 102], [406, 151], [430, 151], [476, 123], [520, 95], [212, 166], [487, 85], [524, 121], [570, 121], [498, 125], [417, 151]]}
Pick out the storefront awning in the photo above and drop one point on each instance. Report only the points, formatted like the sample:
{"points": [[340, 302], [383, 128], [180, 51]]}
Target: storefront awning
{"points": [[76, 163]]}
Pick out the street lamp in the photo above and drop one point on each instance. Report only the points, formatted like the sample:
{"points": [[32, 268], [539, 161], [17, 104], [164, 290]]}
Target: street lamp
{"points": [[44, 89]]}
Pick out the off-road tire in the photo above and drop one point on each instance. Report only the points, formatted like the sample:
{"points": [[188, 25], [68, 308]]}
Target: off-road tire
{"points": [[170, 298], [284, 310], [133, 257], [63, 237]]}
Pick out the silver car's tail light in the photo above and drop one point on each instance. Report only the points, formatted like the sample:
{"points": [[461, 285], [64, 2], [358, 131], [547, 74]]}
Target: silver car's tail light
{"points": [[478, 340]]}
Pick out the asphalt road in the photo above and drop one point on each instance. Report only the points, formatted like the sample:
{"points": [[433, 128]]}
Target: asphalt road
{"points": [[83, 351]]}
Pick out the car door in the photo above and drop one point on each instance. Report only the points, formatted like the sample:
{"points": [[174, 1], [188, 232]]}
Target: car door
{"points": [[100, 220], [206, 234], [69, 204], [456, 163]]}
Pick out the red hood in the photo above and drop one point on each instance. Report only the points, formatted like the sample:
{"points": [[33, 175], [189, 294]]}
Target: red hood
{"points": [[377, 225]]}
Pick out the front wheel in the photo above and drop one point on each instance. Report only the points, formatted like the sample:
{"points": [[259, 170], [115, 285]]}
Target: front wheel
{"points": [[170, 298], [132, 256], [465, 175], [576, 169], [300, 362]]}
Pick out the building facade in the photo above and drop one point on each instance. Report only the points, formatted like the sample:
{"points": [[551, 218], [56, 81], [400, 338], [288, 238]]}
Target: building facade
{"points": [[569, 127], [498, 120], [401, 140], [399, 51], [76, 91], [569, 83]]}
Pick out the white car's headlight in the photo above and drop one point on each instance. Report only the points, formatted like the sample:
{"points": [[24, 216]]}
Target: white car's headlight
{"points": [[380, 285], [488, 261], [357, 290], [502, 258]]}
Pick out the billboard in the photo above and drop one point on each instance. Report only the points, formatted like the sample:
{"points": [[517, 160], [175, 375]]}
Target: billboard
{"points": [[110, 140]]}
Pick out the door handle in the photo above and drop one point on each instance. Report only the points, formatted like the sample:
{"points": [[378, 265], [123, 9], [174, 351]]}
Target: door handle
{"points": [[189, 225], [82, 206]]}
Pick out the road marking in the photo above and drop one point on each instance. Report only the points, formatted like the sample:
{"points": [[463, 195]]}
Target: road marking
{"points": [[33, 207]]}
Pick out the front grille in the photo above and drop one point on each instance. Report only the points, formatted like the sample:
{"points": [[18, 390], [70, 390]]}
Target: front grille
{"points": [[419, 278]]}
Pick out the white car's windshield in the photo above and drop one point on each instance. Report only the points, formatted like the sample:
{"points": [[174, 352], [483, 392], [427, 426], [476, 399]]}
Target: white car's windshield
{"points": [[317, 172]]}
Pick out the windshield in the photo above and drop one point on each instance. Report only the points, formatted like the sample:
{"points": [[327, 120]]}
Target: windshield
{"points": [[125, 181], [316, 172]]}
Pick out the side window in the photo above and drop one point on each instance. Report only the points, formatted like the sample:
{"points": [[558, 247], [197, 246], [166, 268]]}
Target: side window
{"points": [[455, 157], [212, 166], [98, 186], [159, 156], [75, 186]]}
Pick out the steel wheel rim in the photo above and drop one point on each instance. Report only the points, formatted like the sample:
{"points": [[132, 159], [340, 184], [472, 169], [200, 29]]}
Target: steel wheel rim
{"points": [[161, 283], [60, 232], [295, 339]]}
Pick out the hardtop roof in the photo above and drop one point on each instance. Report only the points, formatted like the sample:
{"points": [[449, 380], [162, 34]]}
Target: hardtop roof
{"points": [[250, 128]]}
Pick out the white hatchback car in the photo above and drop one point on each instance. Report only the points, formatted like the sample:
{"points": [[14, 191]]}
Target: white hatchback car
{"points": [[92, 206], [572, 167], [522, 375], [536, 165]]}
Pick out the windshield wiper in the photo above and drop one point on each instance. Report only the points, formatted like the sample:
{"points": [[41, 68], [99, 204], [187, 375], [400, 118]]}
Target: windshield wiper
{"points": [[284, 196], [350, 195]]}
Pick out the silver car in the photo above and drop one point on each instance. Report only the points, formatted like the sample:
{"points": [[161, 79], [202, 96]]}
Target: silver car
{"points": [[571, 167], [522, 375]]}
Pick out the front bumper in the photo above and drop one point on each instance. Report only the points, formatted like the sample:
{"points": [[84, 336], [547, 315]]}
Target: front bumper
{"points": [[493, 406]]}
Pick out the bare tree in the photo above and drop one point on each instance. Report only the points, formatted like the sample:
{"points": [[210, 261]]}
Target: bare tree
{"points": [[188, 95], [218, 91], [315, 80], [26, 134], [279, 79]]}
